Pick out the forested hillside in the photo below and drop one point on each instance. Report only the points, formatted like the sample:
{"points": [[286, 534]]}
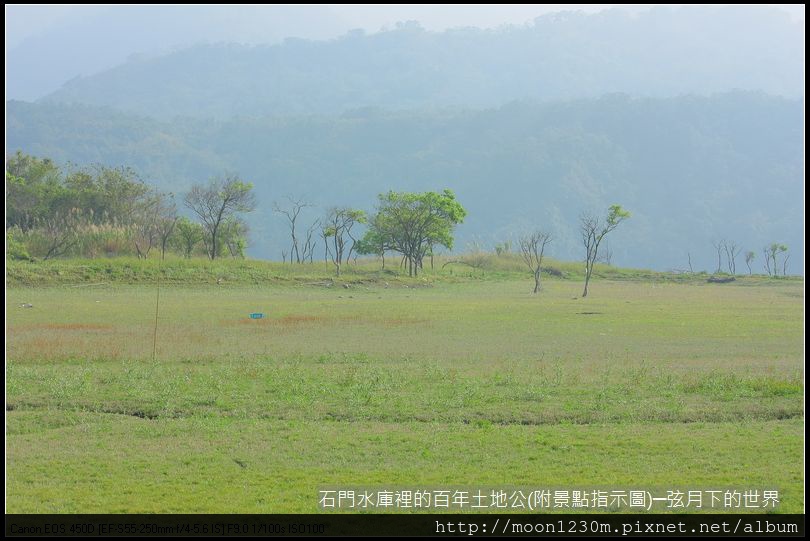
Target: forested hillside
{"points": [[692, 170], [661, 52]]}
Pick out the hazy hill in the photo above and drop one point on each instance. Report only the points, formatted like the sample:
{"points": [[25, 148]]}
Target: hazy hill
{"points": [[83, 40], [691, 169], [661, 52]]}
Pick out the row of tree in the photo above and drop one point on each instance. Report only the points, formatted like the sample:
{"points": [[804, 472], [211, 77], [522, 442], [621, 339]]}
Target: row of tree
{"points": [[60, 212], [413, 225], [593, 230], [775, 256], [59, 207], [410, 224]]}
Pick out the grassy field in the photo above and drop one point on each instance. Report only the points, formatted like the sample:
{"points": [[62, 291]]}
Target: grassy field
{"points": [[461, 379]]}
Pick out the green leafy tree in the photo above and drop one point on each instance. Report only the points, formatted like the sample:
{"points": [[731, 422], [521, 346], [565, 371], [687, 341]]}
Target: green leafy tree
{"points": [[34, 189], [373, 242], [414, 223], [187, 236], [15, 248], [749, 257], [234, 237], [37, 190], [594, 230]]}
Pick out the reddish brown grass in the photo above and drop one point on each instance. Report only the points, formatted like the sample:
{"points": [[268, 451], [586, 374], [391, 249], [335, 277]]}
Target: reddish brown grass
{"points": [[67, 326], [292, 321]]}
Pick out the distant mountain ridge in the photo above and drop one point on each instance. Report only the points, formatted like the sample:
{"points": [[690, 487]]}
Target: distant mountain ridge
{"points": [[662, 52]]}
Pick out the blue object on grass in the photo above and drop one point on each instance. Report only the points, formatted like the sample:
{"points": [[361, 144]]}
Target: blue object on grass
{"points": [[257, 315]]}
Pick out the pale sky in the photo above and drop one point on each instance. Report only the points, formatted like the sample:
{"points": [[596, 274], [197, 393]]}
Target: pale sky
{"points": [[23, 21]]}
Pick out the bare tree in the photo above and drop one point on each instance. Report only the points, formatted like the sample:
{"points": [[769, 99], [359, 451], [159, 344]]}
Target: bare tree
{"points": [[767, 261], [324, 232], [607, 255], [154, 220], [339, 223], [60, 232], [720, 247], [308, 246], [532, 247], [689, 259], [144, 225], [292, 213], [166, 220], [216, 202], [476, 256], [593, 231], [732, 251], [749, 257], [772, 252]]}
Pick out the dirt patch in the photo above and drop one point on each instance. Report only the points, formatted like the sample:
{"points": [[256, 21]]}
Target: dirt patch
{"points": [[286, 321], [398, 322], [69, 326], [295, 321]]}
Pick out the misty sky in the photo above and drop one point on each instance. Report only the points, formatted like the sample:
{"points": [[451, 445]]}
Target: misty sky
{"points": [[26, 21]]}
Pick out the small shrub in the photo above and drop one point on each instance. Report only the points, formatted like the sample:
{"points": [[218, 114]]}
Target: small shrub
{"points": [[15, 248]]}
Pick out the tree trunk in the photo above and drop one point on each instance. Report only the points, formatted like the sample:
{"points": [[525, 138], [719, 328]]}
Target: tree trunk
{"points": [[537, 280], [587, 279], [213, 253]]}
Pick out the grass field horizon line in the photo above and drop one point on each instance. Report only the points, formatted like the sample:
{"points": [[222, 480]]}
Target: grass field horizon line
{"points": [[231, 271]]}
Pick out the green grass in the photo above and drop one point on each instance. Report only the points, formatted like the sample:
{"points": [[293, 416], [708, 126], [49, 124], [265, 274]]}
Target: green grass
{"points": [[74, 462], [451, 380], [230, 272]]}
